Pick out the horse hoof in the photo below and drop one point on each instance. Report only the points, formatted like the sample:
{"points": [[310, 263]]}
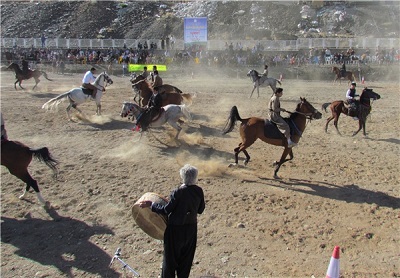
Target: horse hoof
{"points": [[275, 163], [276, 177], [232, 165]]}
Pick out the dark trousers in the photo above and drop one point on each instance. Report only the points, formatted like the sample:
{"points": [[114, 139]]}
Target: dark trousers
{"points": [[179, 248]]}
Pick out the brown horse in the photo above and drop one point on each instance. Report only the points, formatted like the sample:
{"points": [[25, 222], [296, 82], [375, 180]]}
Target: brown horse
{"points": [[16, 157], [348, 75], [364, 108], [255, 128], [170, 94], [19, 75]]}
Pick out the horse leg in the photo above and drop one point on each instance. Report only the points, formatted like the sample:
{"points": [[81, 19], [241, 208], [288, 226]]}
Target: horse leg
{"points": [[360, 126], [283, 159], [335, 123], [98, 110], [19, 83], [247, 157], [252, 91], [176, 126], [30, 182], [242, 148], [23, 174], [37, 82], [327, 122]]}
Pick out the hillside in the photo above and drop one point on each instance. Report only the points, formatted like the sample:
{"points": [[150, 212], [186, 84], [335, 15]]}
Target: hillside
{"points": [[227, 19]]}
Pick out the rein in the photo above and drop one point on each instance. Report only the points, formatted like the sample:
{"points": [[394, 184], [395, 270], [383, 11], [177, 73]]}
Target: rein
{"points": [[308, 116]]}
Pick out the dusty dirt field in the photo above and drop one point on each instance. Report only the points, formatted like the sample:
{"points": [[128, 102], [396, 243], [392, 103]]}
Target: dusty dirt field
{"points": [[338, 190]]}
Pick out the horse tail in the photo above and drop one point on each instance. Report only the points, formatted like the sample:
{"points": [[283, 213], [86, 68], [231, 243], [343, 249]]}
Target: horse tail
{"points": [[177, 90], [188, 98], [45, 76], [49, 105], [186, 112], [44, 155], [325, 105], [230, 122]]}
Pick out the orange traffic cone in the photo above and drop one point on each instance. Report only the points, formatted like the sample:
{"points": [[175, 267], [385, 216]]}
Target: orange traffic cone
{"points": [[333, 268]]}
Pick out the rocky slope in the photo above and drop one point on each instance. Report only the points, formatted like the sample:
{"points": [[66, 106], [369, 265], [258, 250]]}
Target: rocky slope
{"points": [[227, 19]]}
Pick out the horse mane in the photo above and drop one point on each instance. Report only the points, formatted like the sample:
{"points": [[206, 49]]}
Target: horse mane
{"points": [[256, 72]]}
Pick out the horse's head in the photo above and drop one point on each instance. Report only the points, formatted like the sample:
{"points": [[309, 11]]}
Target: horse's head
{"points": [[136, 78], [305, 108], [252, 73], [334, 69], [127, 108], [107, 78], [369, 93], [13, 66]]}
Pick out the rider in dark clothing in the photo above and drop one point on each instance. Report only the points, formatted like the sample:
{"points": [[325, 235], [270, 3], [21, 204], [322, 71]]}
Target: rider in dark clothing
{"points": [[25, 66], [153, 108], [343, 69]]}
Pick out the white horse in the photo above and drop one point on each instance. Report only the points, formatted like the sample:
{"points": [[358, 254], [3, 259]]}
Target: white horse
{"points": [[262, 81], [76, 96], [171, 114]]}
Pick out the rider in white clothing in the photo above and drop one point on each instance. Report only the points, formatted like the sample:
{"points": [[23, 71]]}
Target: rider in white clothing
{"points": [[89, 78]]}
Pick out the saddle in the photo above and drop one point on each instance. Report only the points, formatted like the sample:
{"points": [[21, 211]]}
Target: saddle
{"points": [[87, 91], [272, 131], [352, 107]]}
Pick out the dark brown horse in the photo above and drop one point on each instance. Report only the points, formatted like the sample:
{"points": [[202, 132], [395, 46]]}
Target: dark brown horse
{"points": [[170, 94], [19, 75], [348, 75], [363, 109], [255, 128], [17, 157]]}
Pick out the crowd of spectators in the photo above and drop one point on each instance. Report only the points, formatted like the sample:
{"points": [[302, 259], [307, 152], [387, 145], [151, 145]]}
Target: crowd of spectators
{"points": [[233, 55]]}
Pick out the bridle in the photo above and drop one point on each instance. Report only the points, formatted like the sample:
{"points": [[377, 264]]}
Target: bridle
{"points": [[107, 80], [310, 115]]}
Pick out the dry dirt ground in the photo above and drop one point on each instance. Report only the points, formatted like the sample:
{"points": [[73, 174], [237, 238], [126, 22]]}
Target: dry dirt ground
{"points": [[338, 190]]}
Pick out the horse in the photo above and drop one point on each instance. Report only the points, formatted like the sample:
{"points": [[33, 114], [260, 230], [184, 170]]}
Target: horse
{"points": [[170, 94], [255, 128], [262, 81], [364, 108], [171, 113], [348, 75], [77, 96], [16, 157], [19, 75]]}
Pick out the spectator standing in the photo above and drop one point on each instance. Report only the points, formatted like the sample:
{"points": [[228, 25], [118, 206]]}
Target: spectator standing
{"points": [[180, 237], [43, 39]]}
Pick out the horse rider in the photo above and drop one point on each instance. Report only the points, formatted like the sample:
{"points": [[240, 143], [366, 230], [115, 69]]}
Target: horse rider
{"points": [[4, 136], [343, 70], [88, 79], [25, 66], [275, 110], [153, 73], [145, 73], [153, 108], [351, 96], [265, 72], [157, 80]]}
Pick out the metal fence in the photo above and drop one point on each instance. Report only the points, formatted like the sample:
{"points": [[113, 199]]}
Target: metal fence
{"points": [[268, 45]]}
